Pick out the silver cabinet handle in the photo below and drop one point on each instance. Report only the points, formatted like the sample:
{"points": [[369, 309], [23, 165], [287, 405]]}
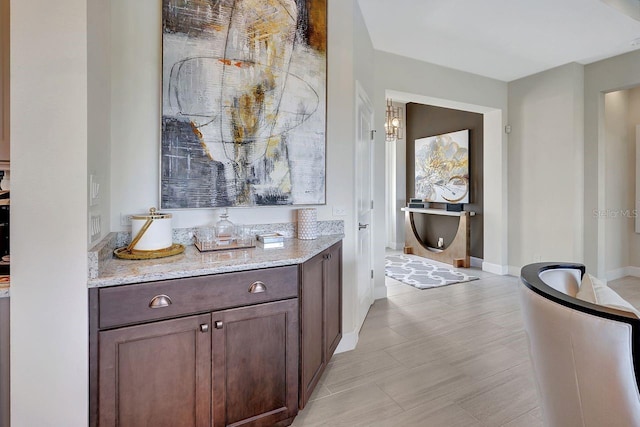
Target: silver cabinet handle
{"points": [[218, 324], [257, 287], [160, 301], [362, 226], [204, 328]]}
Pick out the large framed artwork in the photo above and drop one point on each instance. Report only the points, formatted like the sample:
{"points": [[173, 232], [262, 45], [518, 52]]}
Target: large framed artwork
{"points": [[243, 103], [442, 168]]}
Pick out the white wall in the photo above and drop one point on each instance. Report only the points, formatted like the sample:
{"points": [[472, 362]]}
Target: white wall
{"points": [[390, 193], [49, 330], [99, 111], [621, 116], [401, 180], [545, 167], [396, 183], [620, 72], [412, 80], [619, 188], [632, 178]]}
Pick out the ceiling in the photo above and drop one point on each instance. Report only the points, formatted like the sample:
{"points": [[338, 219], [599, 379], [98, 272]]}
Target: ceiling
{"points": [[502, 39]]}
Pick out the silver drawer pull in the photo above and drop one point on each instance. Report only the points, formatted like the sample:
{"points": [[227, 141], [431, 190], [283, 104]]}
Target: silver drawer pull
{"points": [[160, 301], [257, 287], [218, 324], [204, 328]]}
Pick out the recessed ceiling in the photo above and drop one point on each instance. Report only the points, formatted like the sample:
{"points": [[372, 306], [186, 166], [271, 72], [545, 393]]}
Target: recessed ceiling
{"points": [[501, 39]]}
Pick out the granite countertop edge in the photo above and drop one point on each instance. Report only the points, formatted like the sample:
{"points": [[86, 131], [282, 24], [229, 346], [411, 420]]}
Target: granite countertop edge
{"points": [[124, 272]]}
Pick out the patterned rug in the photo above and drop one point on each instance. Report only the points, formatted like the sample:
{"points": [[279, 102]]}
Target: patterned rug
{"points": [[417, 272]]}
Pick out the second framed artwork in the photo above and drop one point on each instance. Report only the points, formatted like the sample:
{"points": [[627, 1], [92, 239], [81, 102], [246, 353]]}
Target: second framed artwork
{"points": [[244, 103], [442, 168]]}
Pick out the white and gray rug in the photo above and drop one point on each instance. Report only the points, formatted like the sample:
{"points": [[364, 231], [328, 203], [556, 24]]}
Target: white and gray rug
{"points": [[418, 272]]}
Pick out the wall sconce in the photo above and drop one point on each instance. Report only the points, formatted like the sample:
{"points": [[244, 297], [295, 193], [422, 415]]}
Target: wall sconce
{"points": [[393, 122]]}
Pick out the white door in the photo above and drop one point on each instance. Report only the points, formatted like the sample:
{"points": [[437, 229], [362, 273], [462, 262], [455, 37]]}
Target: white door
{"points": [[364, 200]]}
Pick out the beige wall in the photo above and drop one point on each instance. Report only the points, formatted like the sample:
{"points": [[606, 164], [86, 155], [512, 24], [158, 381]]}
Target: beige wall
{"points": [[99, 109], [545, 167], [632, 178], [396, 171], [620, 72], [619, 188], [49, 330], [622, 114]]}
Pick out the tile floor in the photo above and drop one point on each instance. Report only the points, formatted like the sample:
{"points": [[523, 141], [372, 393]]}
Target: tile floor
{"points": [[450, 356]]}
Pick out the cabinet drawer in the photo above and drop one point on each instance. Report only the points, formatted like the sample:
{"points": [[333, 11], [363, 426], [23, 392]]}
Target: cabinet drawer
{"points": [[129, 304]]}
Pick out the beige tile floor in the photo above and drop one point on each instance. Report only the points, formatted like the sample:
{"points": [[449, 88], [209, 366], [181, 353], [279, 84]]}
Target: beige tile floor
{"points": [[451, 356]]}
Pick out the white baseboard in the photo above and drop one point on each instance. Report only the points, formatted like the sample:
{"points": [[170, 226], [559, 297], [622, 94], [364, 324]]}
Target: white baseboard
{"points": [[379, 292], [513, 271], [396, 246], [348, 342], [501, 270], [476, 262], [623, 272]]}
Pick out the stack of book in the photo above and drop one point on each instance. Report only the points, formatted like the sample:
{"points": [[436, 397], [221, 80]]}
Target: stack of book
{"points": [[418, 203], [270, 240]]}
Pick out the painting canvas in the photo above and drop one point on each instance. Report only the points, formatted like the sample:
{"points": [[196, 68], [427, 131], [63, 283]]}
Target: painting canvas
{"points": [[442, 168], [244, 103]]}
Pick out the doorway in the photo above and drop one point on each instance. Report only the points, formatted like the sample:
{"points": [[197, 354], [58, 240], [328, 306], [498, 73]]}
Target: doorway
{"points": [[364, 201], [618, 217], [494, 215]]}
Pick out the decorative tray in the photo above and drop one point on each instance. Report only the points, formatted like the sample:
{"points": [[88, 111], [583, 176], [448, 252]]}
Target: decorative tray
{"points": [[213, 246], [174, 249]]}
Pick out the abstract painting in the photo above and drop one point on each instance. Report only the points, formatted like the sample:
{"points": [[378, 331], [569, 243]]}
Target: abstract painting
{"points": [[244, 103], [442, 168]]}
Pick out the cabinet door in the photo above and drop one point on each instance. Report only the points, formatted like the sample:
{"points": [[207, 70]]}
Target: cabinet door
{"points": [[333, 299], [312, 337], [255, 364], [158, 374]]}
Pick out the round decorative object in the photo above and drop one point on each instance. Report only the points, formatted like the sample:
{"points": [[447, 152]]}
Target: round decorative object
{"points": [[152, 231], [124, 253], [455, 189], [307, 224]]}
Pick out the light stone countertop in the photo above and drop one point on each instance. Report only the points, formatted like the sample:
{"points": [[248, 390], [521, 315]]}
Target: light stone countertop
{"points": [[192, 262]]}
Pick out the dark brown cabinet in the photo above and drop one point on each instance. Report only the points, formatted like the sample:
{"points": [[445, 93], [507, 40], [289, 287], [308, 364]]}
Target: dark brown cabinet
{"points": [[233, 349], [320, 316], [332, 301], [158, 374], [255, 365], [236, 366]]}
